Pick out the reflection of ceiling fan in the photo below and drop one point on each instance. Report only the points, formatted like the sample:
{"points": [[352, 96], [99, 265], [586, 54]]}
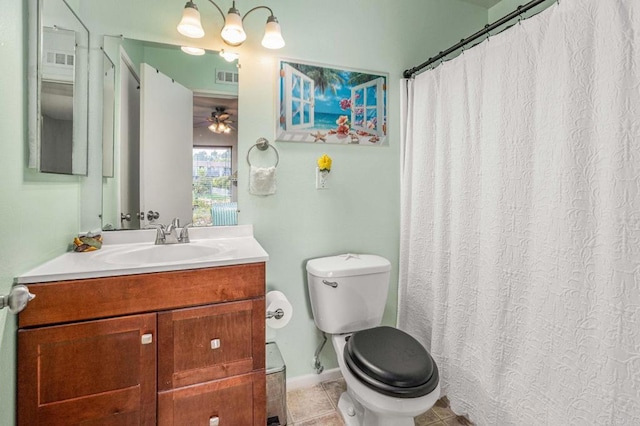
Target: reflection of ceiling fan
{"points": [[219, 122]]}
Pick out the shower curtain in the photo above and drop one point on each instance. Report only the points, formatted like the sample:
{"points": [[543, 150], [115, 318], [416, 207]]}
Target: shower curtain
{"points": [[520, 234]]}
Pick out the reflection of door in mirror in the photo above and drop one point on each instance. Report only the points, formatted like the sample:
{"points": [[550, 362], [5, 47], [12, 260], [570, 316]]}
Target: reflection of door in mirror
{"points": [[108, 111], [129, 147], [166, 141]]}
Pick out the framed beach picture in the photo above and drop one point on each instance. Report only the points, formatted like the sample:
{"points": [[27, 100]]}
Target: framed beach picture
{"points": [[319, 104]]}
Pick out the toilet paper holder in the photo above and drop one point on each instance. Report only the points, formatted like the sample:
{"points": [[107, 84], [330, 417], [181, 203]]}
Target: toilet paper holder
{"points": [[277, 314]]}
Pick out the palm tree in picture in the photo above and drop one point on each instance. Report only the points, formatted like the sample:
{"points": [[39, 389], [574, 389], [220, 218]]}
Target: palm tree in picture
{"points": [[323, 78], [357, 78]]}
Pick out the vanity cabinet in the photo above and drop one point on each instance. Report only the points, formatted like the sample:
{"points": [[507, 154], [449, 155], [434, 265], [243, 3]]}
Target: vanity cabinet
{"points": [[170, 348]]}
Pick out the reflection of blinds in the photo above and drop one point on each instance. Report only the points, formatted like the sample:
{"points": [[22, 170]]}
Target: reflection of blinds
{"points": [[226, 77], [224, 214]]}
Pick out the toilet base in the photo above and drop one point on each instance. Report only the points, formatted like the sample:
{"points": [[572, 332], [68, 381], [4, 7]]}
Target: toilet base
{"points": [[354, 414]]}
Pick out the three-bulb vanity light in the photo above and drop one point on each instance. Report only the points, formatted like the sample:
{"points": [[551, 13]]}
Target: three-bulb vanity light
{"points": [[233, 32]]}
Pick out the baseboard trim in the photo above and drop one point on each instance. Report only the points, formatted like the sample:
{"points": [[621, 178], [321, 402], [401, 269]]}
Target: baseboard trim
{"points": [[309, 380]]}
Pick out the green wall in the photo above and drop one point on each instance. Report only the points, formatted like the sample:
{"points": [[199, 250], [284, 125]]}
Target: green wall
{"points": [[39, 215], [360, 213], [507, 6]]}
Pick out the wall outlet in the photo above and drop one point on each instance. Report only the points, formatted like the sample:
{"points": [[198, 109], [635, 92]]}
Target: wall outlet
{"points": [[322, 179]]}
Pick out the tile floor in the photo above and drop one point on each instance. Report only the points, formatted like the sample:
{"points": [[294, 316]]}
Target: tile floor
{"points": [[317, 406]]}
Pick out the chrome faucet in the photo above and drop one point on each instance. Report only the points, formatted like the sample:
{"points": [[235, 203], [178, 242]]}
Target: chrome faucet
{"points": [[184, 233], [169, 234]]}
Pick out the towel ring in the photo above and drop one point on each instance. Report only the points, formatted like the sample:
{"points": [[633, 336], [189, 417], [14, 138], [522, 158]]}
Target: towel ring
{"points": [[263, 144]]}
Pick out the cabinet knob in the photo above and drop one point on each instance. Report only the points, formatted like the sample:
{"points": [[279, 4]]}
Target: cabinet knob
{"points": [[146, 339], [215, 343], [214, 421]]}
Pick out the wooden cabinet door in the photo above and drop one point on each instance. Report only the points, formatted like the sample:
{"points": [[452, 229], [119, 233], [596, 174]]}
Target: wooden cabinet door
{"points": [[236, 401], [211, 342], [92, 373]]}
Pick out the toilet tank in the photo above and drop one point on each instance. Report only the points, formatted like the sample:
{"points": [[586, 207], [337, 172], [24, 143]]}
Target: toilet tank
{"points": [[348, 292]]}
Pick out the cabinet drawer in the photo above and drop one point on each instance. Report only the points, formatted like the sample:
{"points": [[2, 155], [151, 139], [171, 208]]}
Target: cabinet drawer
{"points": [[98, 372], [77, 300], [211, 342], [237, 401]]}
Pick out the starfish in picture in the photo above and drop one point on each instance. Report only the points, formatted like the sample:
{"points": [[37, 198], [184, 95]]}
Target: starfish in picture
{"points": [[319, 136]]}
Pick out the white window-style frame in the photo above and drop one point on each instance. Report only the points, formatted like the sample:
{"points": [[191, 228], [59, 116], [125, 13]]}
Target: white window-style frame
{"points": [[290, 74], [368, 105]]}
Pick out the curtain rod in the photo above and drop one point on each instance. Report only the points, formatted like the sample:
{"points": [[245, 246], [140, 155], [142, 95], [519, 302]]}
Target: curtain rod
{"points": [[487, 28]]}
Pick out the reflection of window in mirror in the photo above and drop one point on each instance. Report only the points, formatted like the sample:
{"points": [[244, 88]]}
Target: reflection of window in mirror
{"points": [[212, 187]]}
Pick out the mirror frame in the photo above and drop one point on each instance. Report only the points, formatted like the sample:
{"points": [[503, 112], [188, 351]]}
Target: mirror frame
{"points": [[80, 127]]}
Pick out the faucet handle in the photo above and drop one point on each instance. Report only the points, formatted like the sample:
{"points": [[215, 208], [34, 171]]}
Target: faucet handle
{"points": [[184, 233], [160, 235]]}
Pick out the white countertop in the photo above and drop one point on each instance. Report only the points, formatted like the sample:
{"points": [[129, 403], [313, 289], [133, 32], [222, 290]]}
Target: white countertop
{"points": [[229, 245]]}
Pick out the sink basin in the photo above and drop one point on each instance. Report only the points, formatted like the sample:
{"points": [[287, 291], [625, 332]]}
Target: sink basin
{"points": [[169, 253]]}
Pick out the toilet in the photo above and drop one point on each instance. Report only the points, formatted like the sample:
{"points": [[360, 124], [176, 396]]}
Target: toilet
{"points": [[390, 376]]}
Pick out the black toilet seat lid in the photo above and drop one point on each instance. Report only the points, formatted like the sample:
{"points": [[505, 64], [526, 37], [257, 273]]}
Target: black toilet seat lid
{"points": [[391, 362]]}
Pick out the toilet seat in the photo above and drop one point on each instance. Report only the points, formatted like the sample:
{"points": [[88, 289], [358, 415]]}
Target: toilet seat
{"points": [[391, 362]]}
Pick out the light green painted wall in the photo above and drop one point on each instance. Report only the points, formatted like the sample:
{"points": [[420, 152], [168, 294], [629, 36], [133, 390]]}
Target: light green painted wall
{"points": [[360, 213], [507, 6], [39, 215]]}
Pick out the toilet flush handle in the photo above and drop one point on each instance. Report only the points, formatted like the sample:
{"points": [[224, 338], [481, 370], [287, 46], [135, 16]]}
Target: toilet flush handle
{"points": [[330, 283]]}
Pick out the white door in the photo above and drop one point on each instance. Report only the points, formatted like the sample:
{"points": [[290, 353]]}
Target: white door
{"points": [[129, 171], [298, 98], [166, 142]]}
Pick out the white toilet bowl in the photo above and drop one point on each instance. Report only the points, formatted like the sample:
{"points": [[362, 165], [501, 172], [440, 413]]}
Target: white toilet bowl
{"points": [[390, 376], [361, 405]]}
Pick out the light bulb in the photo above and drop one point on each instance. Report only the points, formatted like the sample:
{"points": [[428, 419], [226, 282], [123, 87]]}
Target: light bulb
{"points": [[196, 51], [233, 33], [190, 25], [229, 56], [272, 35]]}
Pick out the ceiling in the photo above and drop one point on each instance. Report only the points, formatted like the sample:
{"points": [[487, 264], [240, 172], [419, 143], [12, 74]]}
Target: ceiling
{"points": [[483, 3]]}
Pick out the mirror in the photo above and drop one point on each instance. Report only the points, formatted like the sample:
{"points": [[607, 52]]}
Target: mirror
{"points": [[58, 88], [176, 137], [108, 114]]}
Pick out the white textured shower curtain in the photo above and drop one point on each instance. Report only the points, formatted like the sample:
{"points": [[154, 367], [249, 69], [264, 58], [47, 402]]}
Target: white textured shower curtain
{"points": [[520, 245]]}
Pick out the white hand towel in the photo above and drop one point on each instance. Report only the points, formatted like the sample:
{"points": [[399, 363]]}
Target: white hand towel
{"points": [[262, 180]]}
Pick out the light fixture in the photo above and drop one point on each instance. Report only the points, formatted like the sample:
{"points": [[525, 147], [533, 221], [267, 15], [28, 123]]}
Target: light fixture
{"points": [[190, 25], [229, 56], [219, 128], [233, 32], [220, 121], [195, 51]]}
